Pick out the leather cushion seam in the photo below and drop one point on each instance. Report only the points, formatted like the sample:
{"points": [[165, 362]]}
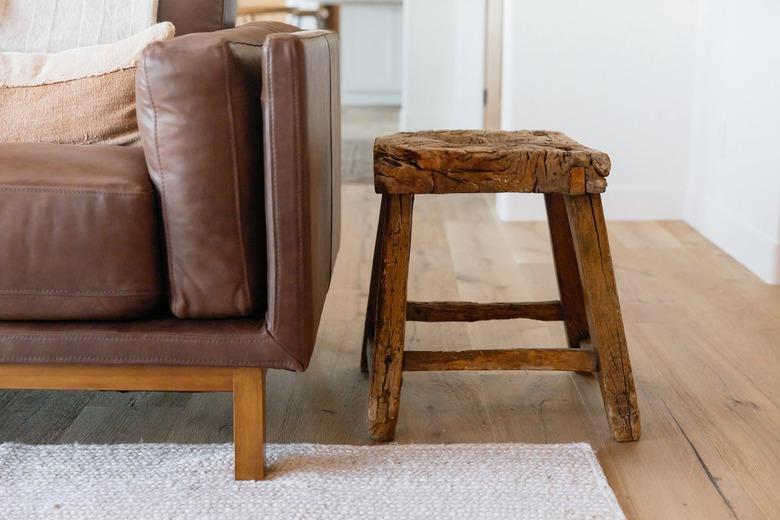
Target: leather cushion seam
{"points": [[66, 292], [303, 218], [130, 338], [94, 359], [275, 191], [76, 192], [332, 158], [236, 183], [167, 236]]}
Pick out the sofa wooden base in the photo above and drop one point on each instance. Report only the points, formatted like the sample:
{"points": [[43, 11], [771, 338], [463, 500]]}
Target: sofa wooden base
{"points": [[247, 385]]}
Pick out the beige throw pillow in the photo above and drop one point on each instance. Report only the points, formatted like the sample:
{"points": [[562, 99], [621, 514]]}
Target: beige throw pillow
{"points": [[79, 96]]}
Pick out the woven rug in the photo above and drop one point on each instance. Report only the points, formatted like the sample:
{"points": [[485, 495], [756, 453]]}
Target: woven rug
{"points": [[148, 481]]}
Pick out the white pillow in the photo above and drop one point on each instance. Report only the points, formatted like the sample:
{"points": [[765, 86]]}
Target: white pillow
{"points": [[79, 96], [57, 25]]}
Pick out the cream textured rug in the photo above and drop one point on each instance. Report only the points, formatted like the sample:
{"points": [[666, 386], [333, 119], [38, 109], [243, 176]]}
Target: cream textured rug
{"points": [[473, 481]]}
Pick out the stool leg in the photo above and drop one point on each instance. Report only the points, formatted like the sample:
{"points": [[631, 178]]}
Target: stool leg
{"points": [[385, 360], [589, 233], [566, 270], [369, 329]]}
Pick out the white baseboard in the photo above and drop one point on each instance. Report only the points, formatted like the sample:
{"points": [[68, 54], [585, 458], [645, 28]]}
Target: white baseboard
{"points": [[619, 204], [755, 250], [749, 246]]}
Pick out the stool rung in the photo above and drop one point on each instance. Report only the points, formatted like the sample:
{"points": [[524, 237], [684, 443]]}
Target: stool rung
{"points": [[578, 360], [471, 311]]}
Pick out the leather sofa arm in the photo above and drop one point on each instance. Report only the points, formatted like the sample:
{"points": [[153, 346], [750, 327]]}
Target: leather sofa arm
{"points": [[302, 141]]}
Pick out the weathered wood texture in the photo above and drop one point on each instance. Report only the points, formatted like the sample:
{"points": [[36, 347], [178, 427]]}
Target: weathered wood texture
{"points": [[458, 161], [386, 358], [249, 423], [581, 360], [490, 161], [589, 231], [471, 311], [566, 271], [369, 328]]}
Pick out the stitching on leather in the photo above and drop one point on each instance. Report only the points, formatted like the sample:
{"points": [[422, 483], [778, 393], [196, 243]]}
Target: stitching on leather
{"points": [[274, 185], [298, 163], [166, 233], [250, 44], [308, 35], [128, 360], [125, 339], [291, 364], [67, 292], [236, 190], [332, 164], [76, 192], [297, 179], [274, 206]]}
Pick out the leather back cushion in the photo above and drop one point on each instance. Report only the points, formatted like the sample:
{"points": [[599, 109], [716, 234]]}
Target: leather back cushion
{"points": [[198, 106], [191, 16]]}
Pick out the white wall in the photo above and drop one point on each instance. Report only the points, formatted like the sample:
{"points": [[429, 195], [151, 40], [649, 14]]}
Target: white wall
{"points": [[371, 52], [734, 190], [683, 94], [614, 75], [370, 35], [443, 55]]}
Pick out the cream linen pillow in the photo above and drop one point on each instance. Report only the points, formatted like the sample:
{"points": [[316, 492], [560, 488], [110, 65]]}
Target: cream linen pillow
{"points": [[58, 25], [78, 96]]}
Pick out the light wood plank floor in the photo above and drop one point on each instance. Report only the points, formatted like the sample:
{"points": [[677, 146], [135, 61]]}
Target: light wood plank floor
{"points": [[703, 336]]}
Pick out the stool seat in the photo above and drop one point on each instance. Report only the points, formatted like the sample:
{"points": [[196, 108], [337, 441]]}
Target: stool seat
{"points": [[485, 161]]}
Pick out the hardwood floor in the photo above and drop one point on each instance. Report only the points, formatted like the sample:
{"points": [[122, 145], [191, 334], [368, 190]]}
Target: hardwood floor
{"points": [[703, 336]]}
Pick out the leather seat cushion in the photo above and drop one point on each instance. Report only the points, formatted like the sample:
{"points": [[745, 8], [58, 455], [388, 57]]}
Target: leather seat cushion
{"points": [[78, 233]]}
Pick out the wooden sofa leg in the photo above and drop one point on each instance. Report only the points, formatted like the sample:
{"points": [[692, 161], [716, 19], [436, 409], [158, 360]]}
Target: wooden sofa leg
{"points": [[589, 233], [249, 423]]}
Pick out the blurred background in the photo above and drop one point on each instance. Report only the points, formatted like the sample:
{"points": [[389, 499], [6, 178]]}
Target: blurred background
{"points": [[681, 93]]}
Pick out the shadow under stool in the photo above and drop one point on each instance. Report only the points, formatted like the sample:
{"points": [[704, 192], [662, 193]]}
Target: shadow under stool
{"points": [[571, 177]]}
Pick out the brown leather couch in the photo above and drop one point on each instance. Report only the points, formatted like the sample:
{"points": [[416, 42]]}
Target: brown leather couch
{"points": [[202, 258]]}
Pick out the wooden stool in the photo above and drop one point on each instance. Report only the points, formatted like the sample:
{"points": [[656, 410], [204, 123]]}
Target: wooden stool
{"points": [[571, 176]]}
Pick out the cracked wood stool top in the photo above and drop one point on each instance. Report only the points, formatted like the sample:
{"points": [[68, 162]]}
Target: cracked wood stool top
{"points": [[472, 161]]}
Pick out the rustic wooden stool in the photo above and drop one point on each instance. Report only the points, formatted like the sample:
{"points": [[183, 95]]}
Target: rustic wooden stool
{"points": [[571, 176]]}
